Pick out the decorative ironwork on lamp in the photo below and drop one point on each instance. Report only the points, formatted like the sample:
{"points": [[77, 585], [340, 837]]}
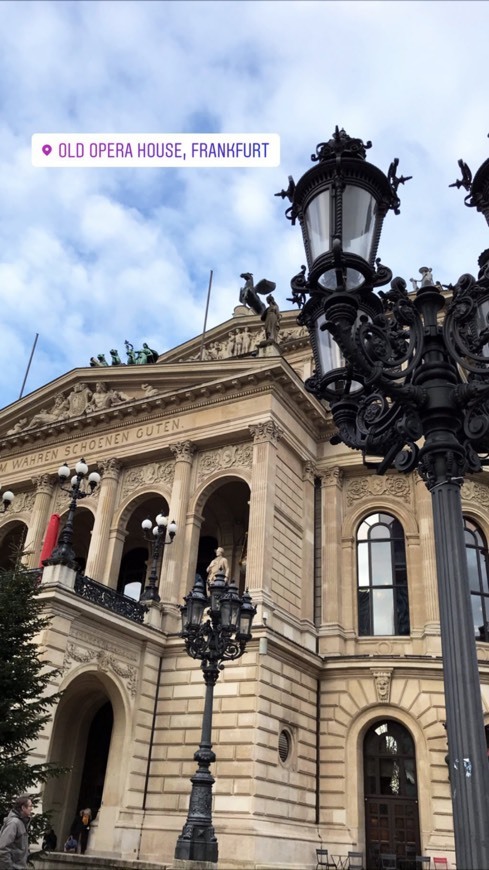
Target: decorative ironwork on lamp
{"points": [[407, 380]]}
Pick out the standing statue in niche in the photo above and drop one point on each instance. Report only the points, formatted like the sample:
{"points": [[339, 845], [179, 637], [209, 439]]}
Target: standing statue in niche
{"points": [[271, 317], [219, 565]]}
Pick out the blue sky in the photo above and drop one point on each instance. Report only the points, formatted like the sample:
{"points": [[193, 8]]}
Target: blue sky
{"points": [[90, 257]]}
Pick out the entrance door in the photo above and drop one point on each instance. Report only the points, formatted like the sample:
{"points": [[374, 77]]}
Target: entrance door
{"points": [[391, 795]]}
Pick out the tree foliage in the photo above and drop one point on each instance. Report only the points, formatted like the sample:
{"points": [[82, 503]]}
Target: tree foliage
{"points": [[25, 682]]}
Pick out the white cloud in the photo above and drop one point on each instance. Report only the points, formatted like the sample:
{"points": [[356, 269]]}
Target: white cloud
{"points": [[91, 257]]}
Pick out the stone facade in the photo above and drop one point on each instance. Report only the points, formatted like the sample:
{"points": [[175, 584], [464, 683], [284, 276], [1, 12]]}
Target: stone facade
{"points": [[238, 453]]}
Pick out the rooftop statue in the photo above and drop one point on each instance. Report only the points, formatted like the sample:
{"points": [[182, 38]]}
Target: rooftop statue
{"points": [[248, 295], [271, 317], [142, 357]]}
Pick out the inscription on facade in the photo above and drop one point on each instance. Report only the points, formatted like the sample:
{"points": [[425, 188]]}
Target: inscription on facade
{"points": [[87, 445]]}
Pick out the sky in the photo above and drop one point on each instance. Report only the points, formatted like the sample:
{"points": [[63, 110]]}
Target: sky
{"points": [[91, 257]]}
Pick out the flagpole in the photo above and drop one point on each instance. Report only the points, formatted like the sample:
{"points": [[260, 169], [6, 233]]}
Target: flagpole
{"points": [[205, 316], [29, 365]]}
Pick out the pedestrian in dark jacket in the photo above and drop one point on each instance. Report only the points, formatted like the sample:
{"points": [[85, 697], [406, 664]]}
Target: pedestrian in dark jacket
{"points": [[80, 828], [14, 839]]}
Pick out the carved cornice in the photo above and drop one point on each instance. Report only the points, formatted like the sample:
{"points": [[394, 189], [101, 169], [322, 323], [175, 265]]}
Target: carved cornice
{"points": [[397, 486], [267, 432], [210, 461], [183, 451]]}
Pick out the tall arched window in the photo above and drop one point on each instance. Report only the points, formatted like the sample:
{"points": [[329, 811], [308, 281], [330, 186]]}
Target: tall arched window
{"points": [[383, 606], [477, 558]]}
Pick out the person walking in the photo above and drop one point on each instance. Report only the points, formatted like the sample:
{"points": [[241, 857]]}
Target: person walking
{"points": [[14, 837]]}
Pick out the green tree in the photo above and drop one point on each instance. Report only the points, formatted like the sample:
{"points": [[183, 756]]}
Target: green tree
{"points": [[25, 679]]}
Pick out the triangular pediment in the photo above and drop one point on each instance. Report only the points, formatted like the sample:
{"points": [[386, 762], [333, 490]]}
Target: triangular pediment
{"points": [[88, 398]]}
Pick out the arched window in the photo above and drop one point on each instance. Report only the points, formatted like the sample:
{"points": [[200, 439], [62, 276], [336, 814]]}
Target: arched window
{"points": [[477, 557], [383, 607]]}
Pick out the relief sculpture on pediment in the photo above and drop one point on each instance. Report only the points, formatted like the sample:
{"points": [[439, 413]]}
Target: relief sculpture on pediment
{"points": [[80, 401]]}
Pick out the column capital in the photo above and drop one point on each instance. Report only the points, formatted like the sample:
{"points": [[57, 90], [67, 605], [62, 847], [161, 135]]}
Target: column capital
{"points": [[44, 483], [183, 451], [310, 471], [110, 468], [331, 476], [267, 431]]}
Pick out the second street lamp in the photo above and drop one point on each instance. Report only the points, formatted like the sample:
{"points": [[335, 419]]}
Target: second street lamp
{"points": [[220, 637], [156, 536], [407, 380]]}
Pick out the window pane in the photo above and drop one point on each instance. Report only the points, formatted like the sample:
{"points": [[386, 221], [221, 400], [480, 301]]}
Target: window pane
{"points": [[477, 615], [402, 608], [382, 564], [473, 565], [383, 611], [364, 627], [363, 569], [382, 532]]}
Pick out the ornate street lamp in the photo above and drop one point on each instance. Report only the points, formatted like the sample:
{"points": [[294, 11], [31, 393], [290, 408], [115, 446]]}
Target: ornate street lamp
{"points": [[220, 637], [157, 537], [81, 487], [407, 380], [7, 499]]}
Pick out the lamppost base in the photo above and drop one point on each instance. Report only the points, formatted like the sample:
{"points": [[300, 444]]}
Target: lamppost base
{"points": [[197, 843]]}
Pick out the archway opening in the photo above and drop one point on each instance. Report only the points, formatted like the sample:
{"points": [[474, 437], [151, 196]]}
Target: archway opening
{"points": [[96, 756], [391, 795], [226, 518], [12, 540], [136, 551]]}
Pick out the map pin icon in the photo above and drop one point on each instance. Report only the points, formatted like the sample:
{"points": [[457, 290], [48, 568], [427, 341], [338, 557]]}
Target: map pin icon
{"points": [[46, 149]]}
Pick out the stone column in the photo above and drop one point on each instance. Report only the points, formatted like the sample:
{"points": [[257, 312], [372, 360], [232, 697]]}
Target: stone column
{"points": [[40, 518], [262, 509], [307, 592], [331, 597], [97, 553], [172, 568]]}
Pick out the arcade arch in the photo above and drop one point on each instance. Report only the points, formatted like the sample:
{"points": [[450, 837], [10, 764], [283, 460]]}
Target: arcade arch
{"points": [[88, 737], [224, 506], [12, 540]]}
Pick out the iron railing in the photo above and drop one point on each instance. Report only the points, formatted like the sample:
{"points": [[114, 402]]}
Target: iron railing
{"points": [[97, 593]]}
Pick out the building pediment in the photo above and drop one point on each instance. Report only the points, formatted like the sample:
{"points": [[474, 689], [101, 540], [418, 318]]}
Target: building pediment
{"points": [[82, 401]]}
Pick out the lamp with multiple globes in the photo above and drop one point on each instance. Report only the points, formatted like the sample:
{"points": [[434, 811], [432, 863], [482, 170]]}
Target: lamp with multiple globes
{"points": [[406, 376], [81, 487], [216, 627], [7, 499], [156, 536]]}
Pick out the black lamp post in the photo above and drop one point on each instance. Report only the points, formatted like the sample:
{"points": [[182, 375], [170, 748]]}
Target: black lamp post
{"points": [[407, 380], [63, 553], [157, 537], [221, 637]]}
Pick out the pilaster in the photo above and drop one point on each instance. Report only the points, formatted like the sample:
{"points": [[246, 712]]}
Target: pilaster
{"points": [[266, 436]]}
